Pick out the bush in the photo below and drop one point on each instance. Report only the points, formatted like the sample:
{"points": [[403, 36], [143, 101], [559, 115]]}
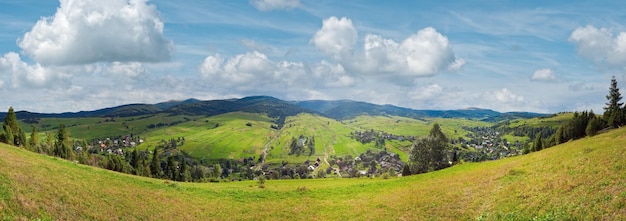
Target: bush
{"points": [[386, 175], [261, 181]]}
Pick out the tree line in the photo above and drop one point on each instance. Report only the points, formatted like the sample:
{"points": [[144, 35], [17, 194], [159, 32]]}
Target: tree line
{"points": [[586, 123]]}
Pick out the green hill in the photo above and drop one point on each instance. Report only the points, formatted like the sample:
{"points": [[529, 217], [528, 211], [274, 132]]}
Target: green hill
{"points": [[579, 180]]}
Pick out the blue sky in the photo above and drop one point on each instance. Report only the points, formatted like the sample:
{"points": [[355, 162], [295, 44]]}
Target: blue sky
{"points": [[503, 55]]}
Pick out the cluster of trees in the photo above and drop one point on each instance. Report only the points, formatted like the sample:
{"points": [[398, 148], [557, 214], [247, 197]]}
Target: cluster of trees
{"points": [[301, 144], [526, 131], [429, 153], [586, 123], [59, 145], [378, 137], [12, 134]]}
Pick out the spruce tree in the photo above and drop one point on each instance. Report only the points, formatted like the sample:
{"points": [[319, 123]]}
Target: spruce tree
{"points": [[436, 133], [155, 165], [11, 119], [558, 136], [134, 162], [11, 128], [185, 174], [21, 140], [438, 148], [613, 113], [538, 144], [63, 145], [170, 169], [9, 138], [593, 127]]}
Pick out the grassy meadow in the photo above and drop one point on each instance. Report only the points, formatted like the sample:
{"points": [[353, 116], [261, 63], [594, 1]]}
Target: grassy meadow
{"points": [[578, 180], [551, 121]]}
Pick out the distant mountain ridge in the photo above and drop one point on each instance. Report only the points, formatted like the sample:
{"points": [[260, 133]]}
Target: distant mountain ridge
{"points": [[274, 107]]}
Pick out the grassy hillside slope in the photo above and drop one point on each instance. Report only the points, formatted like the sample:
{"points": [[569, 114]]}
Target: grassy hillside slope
{"points": [[584, 179], [225, 136]]}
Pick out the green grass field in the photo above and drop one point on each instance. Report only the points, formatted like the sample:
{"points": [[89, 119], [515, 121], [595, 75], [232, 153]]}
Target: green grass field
{"points": [[452, 127], [232, 139], [552, 121], [579, 180]]}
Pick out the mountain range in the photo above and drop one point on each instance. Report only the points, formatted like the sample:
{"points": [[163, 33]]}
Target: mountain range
{"points": [[276, 108]]}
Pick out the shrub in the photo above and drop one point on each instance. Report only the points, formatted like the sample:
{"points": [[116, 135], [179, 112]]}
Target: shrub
{"points": [[386, 175], [261, 181]]}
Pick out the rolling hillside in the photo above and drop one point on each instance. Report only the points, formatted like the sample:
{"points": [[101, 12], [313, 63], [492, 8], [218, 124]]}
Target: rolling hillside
{"points": [[579, 180]]}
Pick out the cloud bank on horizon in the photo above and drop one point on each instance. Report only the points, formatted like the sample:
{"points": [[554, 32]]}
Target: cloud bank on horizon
{"points": [[532, 56]]}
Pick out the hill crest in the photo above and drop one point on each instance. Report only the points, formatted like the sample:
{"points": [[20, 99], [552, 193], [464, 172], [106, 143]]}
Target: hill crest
{"points": [[274, 107]]}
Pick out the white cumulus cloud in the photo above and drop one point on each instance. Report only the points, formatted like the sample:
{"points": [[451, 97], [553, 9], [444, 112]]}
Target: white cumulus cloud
{"points": [[89, 31], [426, 92], [600, 46], [22, 74], [544, 74], [336, 38], [506, 96], [129, 69], [425, 53], [332, 75], [238, 70], [268, 5], [254, 72]]}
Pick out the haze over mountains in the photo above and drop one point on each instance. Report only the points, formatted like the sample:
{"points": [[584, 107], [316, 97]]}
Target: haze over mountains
{"points": [[273, 107]]}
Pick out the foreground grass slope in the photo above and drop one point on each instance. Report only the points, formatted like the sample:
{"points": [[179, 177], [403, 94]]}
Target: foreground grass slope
{"points": [[582, 180]]}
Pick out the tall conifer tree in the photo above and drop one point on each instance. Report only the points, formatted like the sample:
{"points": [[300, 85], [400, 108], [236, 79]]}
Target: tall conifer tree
{"points": [[613, 113]]}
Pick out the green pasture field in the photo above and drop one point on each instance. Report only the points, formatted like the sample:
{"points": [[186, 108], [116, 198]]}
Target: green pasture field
{"points": [[226, 136], [552, 121], [452, 127]]}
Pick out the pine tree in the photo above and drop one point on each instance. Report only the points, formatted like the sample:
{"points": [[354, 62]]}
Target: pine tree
{"points": [[155, 165], [11, 128], [134, 162], [185, 174], [538, 144], [170, 168], [558, 136], [62, 146], [613, 113], [438, 148], [21, 140], [49, 144], [593, 127], [437, 133], [9, 138]]}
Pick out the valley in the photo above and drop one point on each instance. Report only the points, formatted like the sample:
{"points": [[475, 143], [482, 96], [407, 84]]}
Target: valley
{"points": [[238, 139], [578, 180], [284, 162]]}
